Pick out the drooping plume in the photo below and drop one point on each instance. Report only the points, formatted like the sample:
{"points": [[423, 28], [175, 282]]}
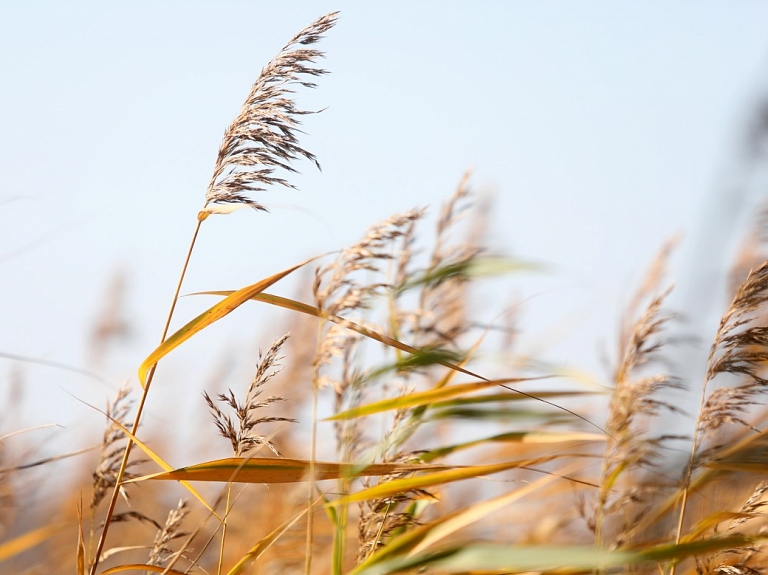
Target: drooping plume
{"points": [[263, 136]]}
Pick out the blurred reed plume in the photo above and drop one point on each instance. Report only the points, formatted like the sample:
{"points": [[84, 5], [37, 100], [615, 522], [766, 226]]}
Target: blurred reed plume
{"points": [[111, 452], [161, 553], [638, 400], [440, 317], [341, 286]]}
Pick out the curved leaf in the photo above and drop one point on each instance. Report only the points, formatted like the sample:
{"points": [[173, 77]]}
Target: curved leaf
{"points": [[510, 396], [364, 331], [141, 567], [483, 266], [442, 477], [422, 398], [528, 437], [422, 536], [500, 414], [213, 314], [280, 470]]}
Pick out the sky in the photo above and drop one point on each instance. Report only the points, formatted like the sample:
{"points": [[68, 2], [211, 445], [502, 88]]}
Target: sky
{"points": [[600, 128]]}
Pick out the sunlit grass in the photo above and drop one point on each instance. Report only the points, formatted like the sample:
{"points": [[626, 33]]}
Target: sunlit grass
{"points": [[443, 460]]}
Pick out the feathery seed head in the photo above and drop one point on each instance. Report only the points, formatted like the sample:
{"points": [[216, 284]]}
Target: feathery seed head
{"points": [[161, 553], [241, 435], [263, 137], [105, 474], [338, 290], [740, 348]]}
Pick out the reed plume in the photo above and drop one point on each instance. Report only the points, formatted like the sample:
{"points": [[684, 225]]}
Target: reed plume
{"points": [[263, 135], [111, 454], [338, 289], [441, 314], [743, 560], [434, 320], [161, 552], [637, 399], [241, 435], [740, 349]]}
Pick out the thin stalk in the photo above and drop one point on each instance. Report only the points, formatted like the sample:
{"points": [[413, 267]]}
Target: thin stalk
{"points": [[686, 488], [224, 527], [313, 455], [310, 501], [689, 473], [124, 463], [340, 533]]}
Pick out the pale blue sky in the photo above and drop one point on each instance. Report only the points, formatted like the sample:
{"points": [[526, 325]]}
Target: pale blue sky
{"points": [[602, 127]]}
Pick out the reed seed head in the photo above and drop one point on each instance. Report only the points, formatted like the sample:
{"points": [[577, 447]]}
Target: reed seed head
{"points": [[241, 434], [262, 138], [741, 349], [161, 551], [112, 450]]}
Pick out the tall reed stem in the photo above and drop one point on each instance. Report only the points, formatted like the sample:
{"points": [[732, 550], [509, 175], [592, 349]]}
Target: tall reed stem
{"points": [[224, 528], [687, 479], [311, 492], [124, 463]]}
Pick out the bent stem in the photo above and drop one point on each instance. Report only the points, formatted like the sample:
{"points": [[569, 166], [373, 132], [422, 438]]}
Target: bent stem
{"points": [[126, 454]]}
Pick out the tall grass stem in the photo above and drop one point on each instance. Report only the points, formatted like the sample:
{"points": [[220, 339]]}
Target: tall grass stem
{"points": [[140, 408]]}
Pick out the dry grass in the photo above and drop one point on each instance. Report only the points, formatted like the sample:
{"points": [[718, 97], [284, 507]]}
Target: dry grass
{"points": [[441, 461]]}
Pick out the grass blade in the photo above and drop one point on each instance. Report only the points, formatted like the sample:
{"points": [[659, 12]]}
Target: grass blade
{"points": [[257, 550], [161, 463], [422, 398], [280, 470], [527, 437], [499, 397], [28, 540], [442, 477], [364, 331], [476, 267], [230, 303], [141, 567]]}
